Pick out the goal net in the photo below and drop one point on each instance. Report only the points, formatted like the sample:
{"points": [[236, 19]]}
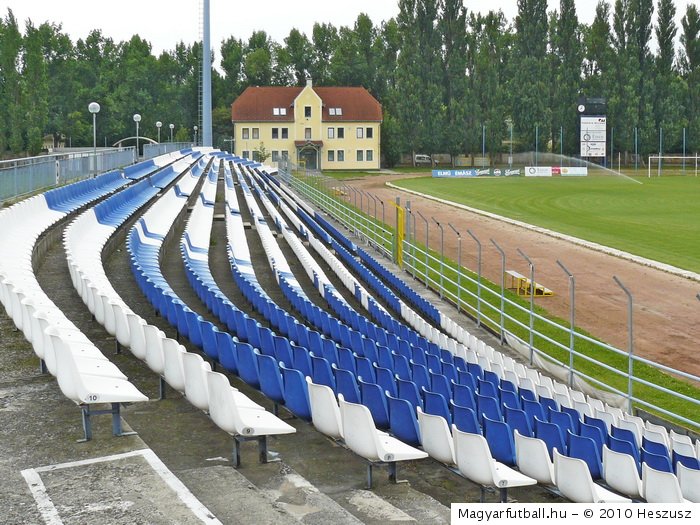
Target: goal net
{"points": [[673, 165]]}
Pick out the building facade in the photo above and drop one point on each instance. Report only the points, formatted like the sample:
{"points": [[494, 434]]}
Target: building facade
{"points": [[329, 128]]}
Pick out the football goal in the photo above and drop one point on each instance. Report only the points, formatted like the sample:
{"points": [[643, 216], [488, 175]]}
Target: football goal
{"points": [[684, 165]]}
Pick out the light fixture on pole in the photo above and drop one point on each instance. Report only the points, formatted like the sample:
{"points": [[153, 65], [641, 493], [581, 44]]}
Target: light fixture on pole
{"points": [[172, 127], [195, 135], [159, 125], [137, 119], [94, 108]]}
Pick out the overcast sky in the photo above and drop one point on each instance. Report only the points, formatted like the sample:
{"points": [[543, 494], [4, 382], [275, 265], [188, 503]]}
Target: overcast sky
{"points": [[165, 22]]}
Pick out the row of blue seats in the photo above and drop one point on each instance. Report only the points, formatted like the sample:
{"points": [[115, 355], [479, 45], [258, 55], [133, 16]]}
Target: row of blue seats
{"points": [[67, 198]]}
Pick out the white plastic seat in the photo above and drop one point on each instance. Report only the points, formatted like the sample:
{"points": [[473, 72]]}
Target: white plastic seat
{"points": [[660, 487], [196, 370], [583, 408], [242, 423], [689, 480], [620, 473], [577, 395], [633, 427], [595, 403], [656, 433], [606, 416], [436, 438], [574, 481], [682, 444], [325, 413], [363, 438], [532, 458], [173, 370], [474, 462]]}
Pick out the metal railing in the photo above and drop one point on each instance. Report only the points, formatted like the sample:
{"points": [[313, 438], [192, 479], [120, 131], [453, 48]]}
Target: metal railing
{"points": [[24, 176], [625, 378], [153, 150]]}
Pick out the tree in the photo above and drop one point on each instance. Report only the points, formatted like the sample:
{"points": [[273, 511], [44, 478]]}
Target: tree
{"points": [[324, 38], [232, 63], [12, 123], [36, 88], [297, 51], [690, 70], [260, 153]]}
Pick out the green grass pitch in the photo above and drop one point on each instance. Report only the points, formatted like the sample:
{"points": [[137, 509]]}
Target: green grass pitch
{"points": [[658, 219]]}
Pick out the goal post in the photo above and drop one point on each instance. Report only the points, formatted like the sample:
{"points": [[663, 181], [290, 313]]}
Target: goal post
{"points": [[684, 161]]}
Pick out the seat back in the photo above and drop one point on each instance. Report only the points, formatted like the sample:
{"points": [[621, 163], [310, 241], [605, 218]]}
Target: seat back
{"points": [[195, 369], [346, 384], [402, 420], [517, 420], [221, 401], [435, 437], [325, 413], [296, 393], [473, 457], [465, 419], [436, 404], [270, 378], [552, 436], [689, 481], [358, 429], [620, 473], [499, 437], [659, 486], [573, 478], [533, 459], [374, 398], [656, 461], [586, 449]]}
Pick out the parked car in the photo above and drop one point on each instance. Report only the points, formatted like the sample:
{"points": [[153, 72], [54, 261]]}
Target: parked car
{"points": [[422, 160]]}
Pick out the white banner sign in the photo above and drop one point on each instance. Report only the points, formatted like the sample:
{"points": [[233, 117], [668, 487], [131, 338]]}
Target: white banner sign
{"points": [[538, 171], [593, 136]]}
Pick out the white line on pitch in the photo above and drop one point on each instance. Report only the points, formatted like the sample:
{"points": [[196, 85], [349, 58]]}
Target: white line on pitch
{"points": [[49, 513]]}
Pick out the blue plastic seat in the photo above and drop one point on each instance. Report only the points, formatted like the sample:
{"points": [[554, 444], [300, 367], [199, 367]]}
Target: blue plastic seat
{"points": [[384, 358], [402, 420], [548, 403], [562, 420], [526, 393], [656, 461], [365, 369], [296, 393], [401, 367], [654, 447], [227, 351], [374, 398], [440, 384], [466, 378], [518, 420], [385, 379], [463, 395], [575, 418], [321, 373], [346, 384], [247, 364], [688, 461], [623, 433], [419, 375], [593, 432], [533, 409], [329, 350], [436, 404], [270, 378], [586, 449], [625, 447], [408, 391], [552, 436], [301, 360], [499, 436], [509, 398], [209, 341], [489, 407], [475, 370], [283, 350], [346, 359], [464, 418], [486, 388]]}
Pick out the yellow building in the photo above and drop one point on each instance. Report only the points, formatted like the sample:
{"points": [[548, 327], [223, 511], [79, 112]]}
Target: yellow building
{"points": [[331, 128]]}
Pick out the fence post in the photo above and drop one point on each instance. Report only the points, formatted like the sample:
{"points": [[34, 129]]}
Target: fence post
{"points": [[459, 267], [503, 287], [532, 304], [442, 255], [478, 277], [572, 319], [630, 350], [426, 247]]}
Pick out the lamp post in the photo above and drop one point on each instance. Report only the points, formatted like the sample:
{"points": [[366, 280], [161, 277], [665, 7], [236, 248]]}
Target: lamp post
{"points": [[172, 127], [159, 125], [442, 253], [195, 135], [459, 267], [94, 108], [137, 119]]}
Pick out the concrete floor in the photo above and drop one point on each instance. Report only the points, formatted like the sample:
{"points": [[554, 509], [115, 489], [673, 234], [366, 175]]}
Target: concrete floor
{"points": [[177, 468]]}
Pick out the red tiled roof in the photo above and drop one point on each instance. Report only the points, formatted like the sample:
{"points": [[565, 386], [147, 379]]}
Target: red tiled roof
{"points": [[256, 104]]}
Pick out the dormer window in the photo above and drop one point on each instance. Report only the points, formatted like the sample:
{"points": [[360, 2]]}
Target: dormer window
{"points": [[279, 111], [335, 112]]}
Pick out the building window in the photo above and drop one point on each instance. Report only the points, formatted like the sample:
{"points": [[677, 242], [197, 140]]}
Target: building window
{"points": [[331, 111], [283, 111], [245, 154], [369, 155], [369, 133], [360, 155], [341, 133], [285, 154], [307, 111], [275, 156], [276, 111], [360, 133], [245, 133], [307, 133], [341, 155], [275, 133], [256, 133], [331, 155], [331, 133], [285, 133]]}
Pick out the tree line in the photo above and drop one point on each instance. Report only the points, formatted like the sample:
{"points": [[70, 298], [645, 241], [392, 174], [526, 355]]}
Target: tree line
{"points": [[449, 80]]}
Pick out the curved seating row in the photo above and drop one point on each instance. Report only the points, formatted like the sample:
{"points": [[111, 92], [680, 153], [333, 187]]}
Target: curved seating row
{"points": [[84, 374], [584, 406]]}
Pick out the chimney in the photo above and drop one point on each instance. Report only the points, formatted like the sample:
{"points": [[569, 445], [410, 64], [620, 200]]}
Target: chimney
{"points": [[309, 83]]}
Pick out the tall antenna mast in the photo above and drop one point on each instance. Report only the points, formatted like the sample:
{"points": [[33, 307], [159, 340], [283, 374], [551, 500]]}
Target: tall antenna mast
{"points": [[206, 78]]}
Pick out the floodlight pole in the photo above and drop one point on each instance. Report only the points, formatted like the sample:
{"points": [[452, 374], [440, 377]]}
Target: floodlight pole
{"points": [[442, 254], [94, 108], [532, 304], [159, 124], [572, 319], [426, 247], [630, 344], [137, 119], [172, 127], [459, 266], [503, 287], [478, 277]]}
